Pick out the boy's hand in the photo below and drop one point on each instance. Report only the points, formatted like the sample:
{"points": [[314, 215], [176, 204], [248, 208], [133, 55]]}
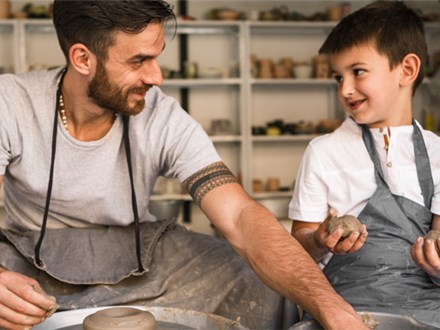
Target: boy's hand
{"points": [[427, 258], [334, 241]]}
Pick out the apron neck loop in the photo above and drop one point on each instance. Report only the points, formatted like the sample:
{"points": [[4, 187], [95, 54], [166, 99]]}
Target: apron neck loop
{"points": [[421, 159], [126, 138]]}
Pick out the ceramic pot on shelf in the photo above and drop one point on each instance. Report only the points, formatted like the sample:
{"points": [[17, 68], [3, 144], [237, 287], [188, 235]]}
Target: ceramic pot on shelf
{"points": [[4, 9]]}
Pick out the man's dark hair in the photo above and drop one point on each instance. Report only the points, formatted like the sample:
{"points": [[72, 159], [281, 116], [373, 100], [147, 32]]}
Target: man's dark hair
{"points": [[95, 22], [393, 28]]}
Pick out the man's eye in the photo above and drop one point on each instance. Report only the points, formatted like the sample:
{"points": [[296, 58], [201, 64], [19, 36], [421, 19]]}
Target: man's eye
{"points": [[137, 61]]}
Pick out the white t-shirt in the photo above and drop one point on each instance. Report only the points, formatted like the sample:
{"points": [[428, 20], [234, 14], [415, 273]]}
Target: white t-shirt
{"points": [[337, 171], [91, 182]]}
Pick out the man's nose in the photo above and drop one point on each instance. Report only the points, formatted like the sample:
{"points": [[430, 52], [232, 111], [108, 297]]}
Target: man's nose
{"points": [[152, 75]]}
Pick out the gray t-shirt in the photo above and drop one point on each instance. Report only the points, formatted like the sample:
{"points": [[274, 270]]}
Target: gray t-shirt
{"points": [[91, 182]]}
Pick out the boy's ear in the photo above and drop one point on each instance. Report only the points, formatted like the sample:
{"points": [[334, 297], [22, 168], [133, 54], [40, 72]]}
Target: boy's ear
{"points": [[410, 69]]}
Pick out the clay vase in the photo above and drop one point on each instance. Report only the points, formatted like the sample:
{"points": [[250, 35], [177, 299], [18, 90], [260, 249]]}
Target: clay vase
{"points": [[266, 69]]}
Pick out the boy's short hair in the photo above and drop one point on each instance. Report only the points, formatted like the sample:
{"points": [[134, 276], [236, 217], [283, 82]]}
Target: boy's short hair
{"points": [[391, 26]]}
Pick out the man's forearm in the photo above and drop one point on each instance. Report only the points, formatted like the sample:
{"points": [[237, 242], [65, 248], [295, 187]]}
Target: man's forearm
{"points": [[283, 264]]}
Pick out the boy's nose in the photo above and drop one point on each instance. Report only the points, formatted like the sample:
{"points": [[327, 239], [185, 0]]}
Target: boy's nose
{"points": [[346, 88]]}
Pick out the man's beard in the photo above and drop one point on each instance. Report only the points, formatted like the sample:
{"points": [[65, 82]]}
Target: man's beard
{"points": [[110, 96]]}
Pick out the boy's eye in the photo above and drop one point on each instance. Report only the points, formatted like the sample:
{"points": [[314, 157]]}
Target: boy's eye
{"points": [[358, 72], [338, 78]]}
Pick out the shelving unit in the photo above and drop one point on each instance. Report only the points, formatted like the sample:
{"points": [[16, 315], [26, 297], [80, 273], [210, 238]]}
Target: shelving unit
{"points": [[288, 99], [237, 96], [9, 44], [37, 36]]}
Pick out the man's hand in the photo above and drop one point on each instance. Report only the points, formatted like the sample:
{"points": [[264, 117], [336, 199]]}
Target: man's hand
{"points": [[23, 303]]}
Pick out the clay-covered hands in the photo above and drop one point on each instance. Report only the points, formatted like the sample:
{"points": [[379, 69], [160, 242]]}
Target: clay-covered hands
{"points": [[426, 255], [334, 240], [23, 303]]}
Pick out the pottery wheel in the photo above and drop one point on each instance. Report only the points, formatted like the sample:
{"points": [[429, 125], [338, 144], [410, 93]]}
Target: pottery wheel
{"points": [[166, 318]]}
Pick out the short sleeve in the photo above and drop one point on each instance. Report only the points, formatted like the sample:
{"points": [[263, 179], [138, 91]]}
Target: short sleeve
{"points": [[310, 196]]}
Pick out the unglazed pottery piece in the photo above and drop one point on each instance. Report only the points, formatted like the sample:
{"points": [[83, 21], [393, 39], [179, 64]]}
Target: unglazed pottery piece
{"points": [[434, 235], [126, 318], [348, 223]]}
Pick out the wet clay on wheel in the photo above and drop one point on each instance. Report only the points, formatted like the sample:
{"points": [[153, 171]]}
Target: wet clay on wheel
{"points": [[126, 318], [348, 223]]}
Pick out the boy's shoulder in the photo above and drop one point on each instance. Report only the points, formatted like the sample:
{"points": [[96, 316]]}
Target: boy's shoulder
{"points": [[347, 134], [430, 135], [339, 149], [432, 142]]}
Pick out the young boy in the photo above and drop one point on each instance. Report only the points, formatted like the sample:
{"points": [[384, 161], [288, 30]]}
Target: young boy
{"points": [[380, 166]]}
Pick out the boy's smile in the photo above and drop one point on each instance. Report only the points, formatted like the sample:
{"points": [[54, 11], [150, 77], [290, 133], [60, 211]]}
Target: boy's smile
{"points": [[368, 89], [354, 105]]}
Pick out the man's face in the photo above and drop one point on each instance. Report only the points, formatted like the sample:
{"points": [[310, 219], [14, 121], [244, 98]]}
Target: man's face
{"points": [[121, 83]]}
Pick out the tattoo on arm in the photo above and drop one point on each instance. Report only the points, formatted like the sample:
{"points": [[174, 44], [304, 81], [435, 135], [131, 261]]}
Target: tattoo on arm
{"points": [[208, 178]]}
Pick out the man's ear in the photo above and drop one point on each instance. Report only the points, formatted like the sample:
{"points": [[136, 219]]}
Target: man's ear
{"points": [[81, 58], [410, 69]]}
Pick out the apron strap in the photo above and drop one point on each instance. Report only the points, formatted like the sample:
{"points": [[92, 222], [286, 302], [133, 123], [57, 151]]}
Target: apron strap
{"points": [[423, 166], [125, 120], [52, 167]]}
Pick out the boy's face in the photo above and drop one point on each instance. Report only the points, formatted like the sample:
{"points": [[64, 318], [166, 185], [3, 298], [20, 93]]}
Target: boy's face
{"points": [[368, 89]]}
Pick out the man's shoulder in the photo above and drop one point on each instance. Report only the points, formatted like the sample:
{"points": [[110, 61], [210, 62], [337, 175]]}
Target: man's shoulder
{"points": [[162, 107], [28, 80]]}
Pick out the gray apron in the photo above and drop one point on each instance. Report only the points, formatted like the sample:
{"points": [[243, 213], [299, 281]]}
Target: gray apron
{"points": [[182, 269], [382, 275]]}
